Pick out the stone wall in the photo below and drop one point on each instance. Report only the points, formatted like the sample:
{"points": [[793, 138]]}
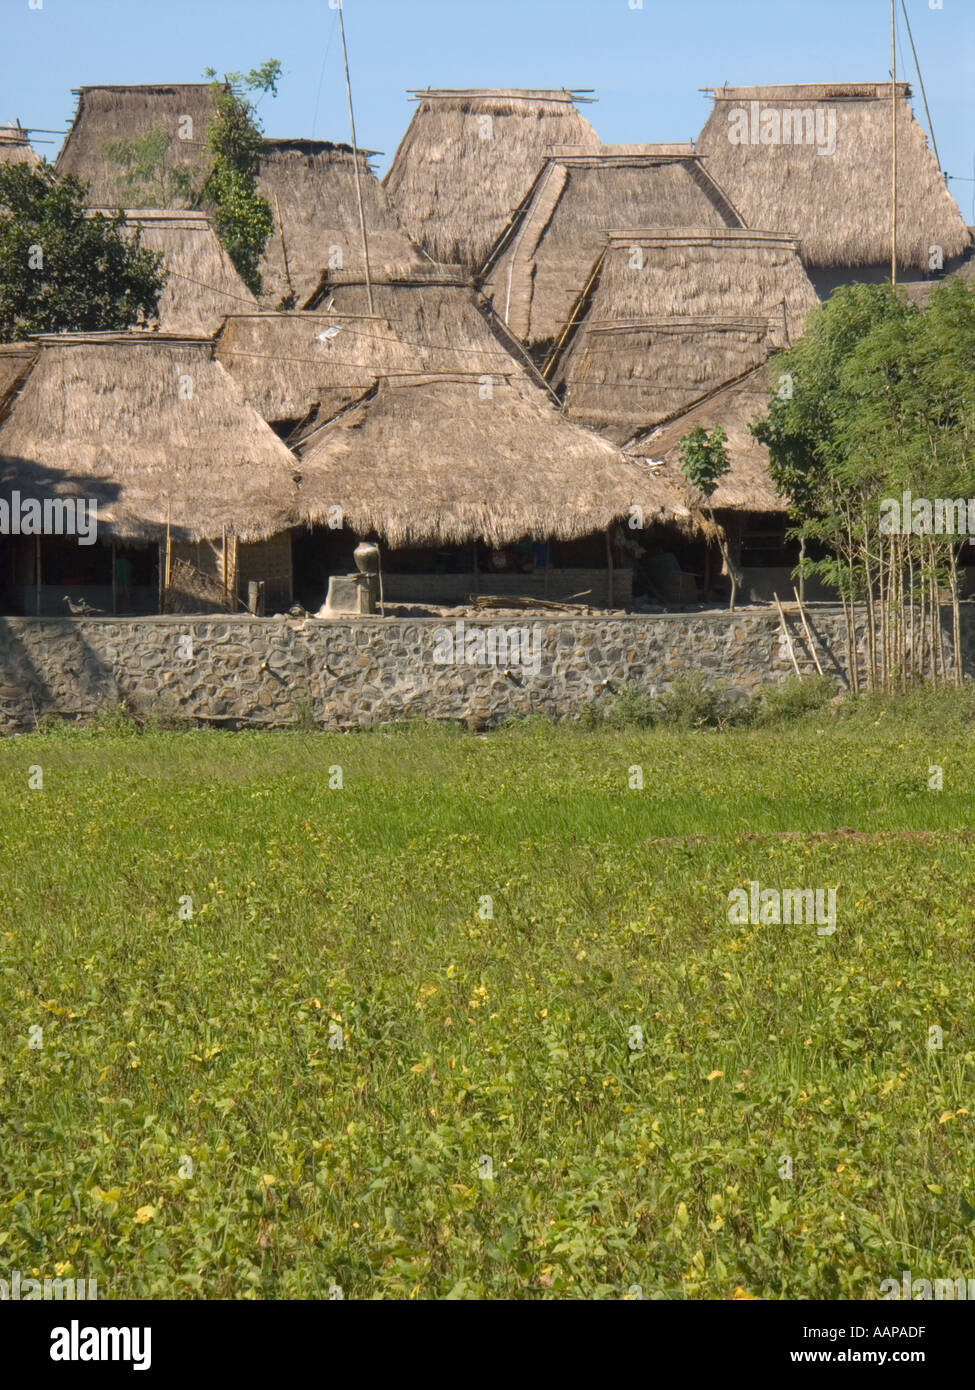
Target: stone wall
{"points": [[351, 673]]}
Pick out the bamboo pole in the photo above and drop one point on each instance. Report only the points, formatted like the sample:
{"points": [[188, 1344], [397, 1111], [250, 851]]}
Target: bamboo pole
{"points": [[955, 615], [849, 618], [871, 630], [225, 595], [805, 627], [355, 160], [893, 129], [284, 249], [912, 630], [788, 634]]}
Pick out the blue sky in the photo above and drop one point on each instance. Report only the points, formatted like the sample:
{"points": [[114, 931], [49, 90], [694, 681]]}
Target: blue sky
{"points": [[645, 64]]}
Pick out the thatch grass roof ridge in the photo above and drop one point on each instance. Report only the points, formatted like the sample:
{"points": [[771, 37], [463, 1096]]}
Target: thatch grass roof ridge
{"points": [[831, 185], [488, 96], [699, 236], [811, 91], [429, 459], [152, 427], [679, 149], [301, 144], [468, 159], [428, 273]]}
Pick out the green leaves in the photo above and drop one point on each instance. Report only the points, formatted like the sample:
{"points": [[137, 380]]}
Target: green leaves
{"points": [[63, 271], [704, 458], [242, 218]]}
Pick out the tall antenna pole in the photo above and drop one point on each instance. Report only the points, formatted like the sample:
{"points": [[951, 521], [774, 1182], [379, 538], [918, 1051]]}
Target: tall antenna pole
{"points": [[893, 128], [924, 95], [355, 161]]}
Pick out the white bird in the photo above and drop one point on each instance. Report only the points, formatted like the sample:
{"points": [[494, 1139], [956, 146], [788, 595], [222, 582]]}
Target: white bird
{"points": [[327, 334], [81, 609]]}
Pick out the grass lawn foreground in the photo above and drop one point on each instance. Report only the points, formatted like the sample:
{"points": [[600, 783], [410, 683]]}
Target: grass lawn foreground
{"points": [[422, 1013]]}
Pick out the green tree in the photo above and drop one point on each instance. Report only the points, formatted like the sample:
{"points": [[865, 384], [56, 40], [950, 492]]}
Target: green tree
{"points": [[63, 269], [878, 397], [241, 217], [704, 462]]}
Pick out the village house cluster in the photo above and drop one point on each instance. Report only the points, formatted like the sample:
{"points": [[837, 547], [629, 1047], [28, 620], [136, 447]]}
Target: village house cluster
{"points": [[494, 388]]}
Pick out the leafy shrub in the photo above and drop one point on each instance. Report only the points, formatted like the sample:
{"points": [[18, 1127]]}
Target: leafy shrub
{"points": [[797, 696]]}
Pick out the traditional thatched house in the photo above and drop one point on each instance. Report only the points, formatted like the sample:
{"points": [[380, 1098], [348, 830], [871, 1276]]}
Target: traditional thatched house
{"points": [[109, 119], [310, 185], [15, 146], [157, 434], [673, 316], [292, 366], [202, 286], [814, 160], [540, 268], [479, 488], [469, 158]]}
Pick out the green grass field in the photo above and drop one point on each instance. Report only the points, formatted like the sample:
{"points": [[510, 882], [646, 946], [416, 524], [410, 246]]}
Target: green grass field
{"points": [[467, 1038]]}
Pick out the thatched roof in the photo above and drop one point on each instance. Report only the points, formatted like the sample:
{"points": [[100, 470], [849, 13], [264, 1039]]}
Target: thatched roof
{"points": [[286, 368], [203, 286], [107, 114], [468, 159], [15, 362], [747, 487], [15, 146], [837, 204], [703, 309], [537, 273], [426, 460], [310, 185], [143, 422]]}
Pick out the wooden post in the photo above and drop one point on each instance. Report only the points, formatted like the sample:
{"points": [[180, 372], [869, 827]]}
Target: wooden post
{"points": [[609, 567], [162, 573], [225, 602], [169, 544]]}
